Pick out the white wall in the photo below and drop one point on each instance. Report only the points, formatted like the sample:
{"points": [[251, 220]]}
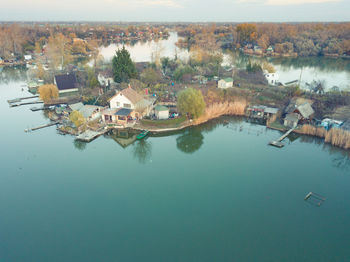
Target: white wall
{"points": [[162, 114], [224, 84], [272, 78], [113, 103]]}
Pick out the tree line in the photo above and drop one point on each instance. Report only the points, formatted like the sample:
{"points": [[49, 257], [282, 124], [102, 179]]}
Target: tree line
{"points": [[304, 39]]}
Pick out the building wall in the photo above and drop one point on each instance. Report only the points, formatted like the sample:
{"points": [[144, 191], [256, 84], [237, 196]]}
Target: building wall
{"points": [[162, 114], [272, 78], [224, 84], [68, 90], [113, 103]]}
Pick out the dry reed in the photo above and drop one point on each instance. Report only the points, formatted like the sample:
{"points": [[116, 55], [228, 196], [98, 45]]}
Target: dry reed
{"points": [[336, 137], [215, 110]]}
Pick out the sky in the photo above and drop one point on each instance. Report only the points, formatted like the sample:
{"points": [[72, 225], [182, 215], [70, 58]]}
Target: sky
{"points": [[176, 10]]}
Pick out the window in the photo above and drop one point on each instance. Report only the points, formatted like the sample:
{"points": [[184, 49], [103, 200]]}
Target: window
{"points": [[118, 103], [127, 105]]}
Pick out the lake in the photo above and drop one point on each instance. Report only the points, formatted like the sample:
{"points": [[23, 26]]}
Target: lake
{"points": [[331, 71], [216, 192]]}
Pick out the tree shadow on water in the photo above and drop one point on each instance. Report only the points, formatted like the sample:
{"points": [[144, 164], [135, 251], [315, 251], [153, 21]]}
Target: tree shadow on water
{"points": [[142, 150], [80, 145], [190, 141]]}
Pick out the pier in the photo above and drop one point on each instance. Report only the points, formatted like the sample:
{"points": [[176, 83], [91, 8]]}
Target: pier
{"points": [[17, 100], [40, 127], [278, 142]]}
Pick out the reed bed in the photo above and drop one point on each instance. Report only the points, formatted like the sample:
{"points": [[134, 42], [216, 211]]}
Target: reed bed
{"points": [[215, 110], [336, 137]]}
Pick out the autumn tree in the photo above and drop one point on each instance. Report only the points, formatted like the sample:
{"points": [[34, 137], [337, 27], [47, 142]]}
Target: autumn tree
{"points": [[48, 92], [190, 101], [77, 118], [59, 51], [123, 66], [150, 76], [268, 67], [246, 33], [263, 41]]}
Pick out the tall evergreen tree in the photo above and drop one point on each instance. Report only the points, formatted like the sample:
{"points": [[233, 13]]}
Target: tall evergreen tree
{"points": [[123, 67]]}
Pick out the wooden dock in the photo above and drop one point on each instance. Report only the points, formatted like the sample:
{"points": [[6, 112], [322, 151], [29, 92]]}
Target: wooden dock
{"points": [[90, 135], [26, 103], [17, 100], [40, 127], [278, 142]]}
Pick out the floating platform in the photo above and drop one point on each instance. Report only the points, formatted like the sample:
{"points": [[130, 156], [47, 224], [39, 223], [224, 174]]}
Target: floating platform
{"points": [[314, 199], [276, 144], [89, 135]]}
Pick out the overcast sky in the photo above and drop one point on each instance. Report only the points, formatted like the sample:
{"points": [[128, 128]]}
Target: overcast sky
{"points": [[175, 10]]}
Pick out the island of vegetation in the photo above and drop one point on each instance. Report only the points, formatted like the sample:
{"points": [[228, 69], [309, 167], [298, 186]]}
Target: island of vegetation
{"points": [[88, 96]]}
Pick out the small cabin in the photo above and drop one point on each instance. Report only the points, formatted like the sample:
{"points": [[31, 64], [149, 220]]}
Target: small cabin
{"points": [[225, 83], [161, 112]]}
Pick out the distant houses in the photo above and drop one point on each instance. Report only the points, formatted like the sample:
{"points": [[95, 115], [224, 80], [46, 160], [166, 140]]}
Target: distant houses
{"points": [[66, 83], [225, 83]]}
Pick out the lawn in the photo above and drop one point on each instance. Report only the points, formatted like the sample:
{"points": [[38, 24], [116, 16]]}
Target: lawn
{"points": [[168, 123]]}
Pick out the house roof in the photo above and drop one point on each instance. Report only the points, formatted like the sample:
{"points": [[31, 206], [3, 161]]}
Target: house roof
{"points": [[109, 111], [123, 112], [88, 110], [271, 110], [76, 106], [130, 94], [161, 108], [305, 110], [292, 117], [228, 79], [67, 81]]}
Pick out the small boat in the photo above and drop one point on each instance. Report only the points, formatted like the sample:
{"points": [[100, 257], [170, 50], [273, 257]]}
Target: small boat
{"points": [[142, 134]]}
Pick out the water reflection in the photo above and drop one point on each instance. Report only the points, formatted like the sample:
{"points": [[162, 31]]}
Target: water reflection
{"points": [[142, 150], [12, 74], [190, 141], [80, 145], [340, 158]]}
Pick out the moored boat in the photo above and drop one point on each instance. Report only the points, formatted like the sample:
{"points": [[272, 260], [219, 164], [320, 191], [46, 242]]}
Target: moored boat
{"points": [[142, 135]]}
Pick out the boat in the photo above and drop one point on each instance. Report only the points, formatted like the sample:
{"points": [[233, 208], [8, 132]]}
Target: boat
{"points": [[143, 134]]}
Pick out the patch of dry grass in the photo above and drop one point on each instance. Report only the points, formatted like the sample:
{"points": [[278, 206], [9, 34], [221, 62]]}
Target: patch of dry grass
{"points": [[215, 110], [336, 137]]}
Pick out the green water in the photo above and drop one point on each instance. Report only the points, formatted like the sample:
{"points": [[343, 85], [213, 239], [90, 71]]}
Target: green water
{"points": [[214, 193]]}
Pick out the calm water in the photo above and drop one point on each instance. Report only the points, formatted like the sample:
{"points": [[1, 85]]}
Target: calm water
{"points": [[142, 51], [214, 193]]}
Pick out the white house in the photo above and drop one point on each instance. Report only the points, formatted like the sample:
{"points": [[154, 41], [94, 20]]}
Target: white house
{"points": [[225, 83], [130, 99], [161, 112], [27, 57], [272, 78], [104, 79]]}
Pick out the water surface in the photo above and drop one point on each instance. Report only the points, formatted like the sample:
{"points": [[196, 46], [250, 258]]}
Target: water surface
{"points": [[211, 193]]}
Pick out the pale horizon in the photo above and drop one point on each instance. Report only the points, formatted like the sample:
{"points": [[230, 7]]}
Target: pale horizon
{"points": [[175, 11]]}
